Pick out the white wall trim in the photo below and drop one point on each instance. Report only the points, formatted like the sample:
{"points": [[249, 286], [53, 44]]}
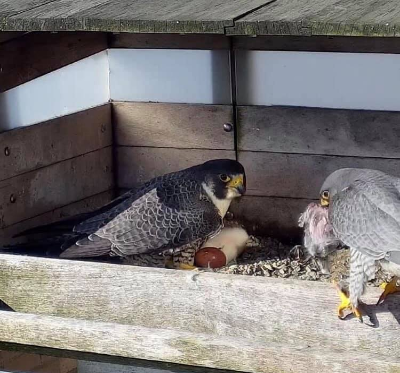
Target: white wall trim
{"points": [[78, 86], [312, 79], [149, 75], [170, 75], [319, 79]]}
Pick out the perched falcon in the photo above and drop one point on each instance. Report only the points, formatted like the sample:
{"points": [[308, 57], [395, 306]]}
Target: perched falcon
{"points": [[364, 210], [167, 213]]}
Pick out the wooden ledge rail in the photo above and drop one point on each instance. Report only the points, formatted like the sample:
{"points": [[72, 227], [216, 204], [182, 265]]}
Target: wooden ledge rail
{"points": [[237, 354], [243, 323]]}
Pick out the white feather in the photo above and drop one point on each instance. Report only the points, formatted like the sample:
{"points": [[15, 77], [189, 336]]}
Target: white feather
{"points": [[221, 204]]}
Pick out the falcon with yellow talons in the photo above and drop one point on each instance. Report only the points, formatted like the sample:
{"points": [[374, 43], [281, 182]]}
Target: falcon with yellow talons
{"points": [[167, 213], [389, 288], [346, 304], [364, 211]]}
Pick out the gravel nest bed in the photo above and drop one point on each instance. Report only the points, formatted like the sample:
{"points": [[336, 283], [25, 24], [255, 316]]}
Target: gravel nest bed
{"points": [[268, 257]]}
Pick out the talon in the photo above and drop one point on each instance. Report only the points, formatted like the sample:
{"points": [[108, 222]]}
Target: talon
{"points": [[170, 264], [187, 267], [346, 304], [389, 288]]}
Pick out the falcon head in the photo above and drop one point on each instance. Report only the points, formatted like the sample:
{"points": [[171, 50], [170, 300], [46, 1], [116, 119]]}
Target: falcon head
{"points": [[222, 180], [336, 182]]}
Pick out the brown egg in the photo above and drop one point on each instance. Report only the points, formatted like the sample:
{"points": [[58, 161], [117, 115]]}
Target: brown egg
{"points": [[210, 257]]}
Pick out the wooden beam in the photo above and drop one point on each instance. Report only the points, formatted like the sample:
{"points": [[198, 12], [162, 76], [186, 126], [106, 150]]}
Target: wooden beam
{"points": [[137, 165], [361, 133], [9, 8], [139, 16], [300, 175], [322, 17], [235, 17], [166, 125], [203, 319], [28, 148], [38, 53], [343, 44], [169, 41], [237, 354], [45, 189]]}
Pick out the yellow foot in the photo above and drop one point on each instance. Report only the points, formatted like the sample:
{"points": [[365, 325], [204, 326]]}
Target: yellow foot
{"points": [[389, 288], [187, 267], [346, 304], [183, 266]]}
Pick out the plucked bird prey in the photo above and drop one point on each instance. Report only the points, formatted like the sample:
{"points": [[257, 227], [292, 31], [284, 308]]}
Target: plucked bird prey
{"points": [[364, 210], [166, 214], [319, 240]]}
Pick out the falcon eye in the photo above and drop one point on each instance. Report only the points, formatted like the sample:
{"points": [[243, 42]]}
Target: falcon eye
{"points": [[224, 178], [325, 194]]}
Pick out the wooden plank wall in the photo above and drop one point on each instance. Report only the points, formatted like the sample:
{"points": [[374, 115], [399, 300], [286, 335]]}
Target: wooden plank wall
{"points": [[153, 139], [55, 168], [288, 152], [60, 167]]}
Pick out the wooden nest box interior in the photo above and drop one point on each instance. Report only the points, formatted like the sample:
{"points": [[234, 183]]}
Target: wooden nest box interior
{"points": [[97, 97]]}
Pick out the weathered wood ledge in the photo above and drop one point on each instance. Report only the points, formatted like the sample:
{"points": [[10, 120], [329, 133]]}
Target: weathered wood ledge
{"points": [[240, 323], [233, 17]]}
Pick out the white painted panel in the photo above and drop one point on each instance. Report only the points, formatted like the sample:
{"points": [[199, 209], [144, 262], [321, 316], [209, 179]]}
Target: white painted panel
{"points": [[319, 79], [177, 76], [76, 87]]}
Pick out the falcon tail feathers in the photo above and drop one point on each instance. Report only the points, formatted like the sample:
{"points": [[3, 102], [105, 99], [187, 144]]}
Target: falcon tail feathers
{"points": [[60, 247], [57, 228], [67, 225]]}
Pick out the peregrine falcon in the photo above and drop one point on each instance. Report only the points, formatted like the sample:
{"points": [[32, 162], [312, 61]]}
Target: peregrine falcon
{"points": [[165, 214], [364, 210]]}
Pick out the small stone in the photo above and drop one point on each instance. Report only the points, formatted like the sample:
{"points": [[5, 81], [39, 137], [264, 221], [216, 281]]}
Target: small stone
{"points": [[268, 266]]}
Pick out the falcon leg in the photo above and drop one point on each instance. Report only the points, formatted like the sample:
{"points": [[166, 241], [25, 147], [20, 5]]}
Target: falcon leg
{"points": [[389, 288], [346, 304]]}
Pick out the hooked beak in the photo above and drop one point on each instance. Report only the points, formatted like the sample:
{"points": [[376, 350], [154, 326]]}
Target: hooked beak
{"points": [[238, 183], [324, 202]]}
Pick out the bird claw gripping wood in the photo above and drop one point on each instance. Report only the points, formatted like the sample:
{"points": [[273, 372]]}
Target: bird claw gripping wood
{"points": [[346, 304], [389, 288]]}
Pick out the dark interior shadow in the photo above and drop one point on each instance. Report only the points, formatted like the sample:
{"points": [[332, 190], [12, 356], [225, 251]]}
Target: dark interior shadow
{"points": [[220, 74], [5, 307], [243, 77], [3, 113]]}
